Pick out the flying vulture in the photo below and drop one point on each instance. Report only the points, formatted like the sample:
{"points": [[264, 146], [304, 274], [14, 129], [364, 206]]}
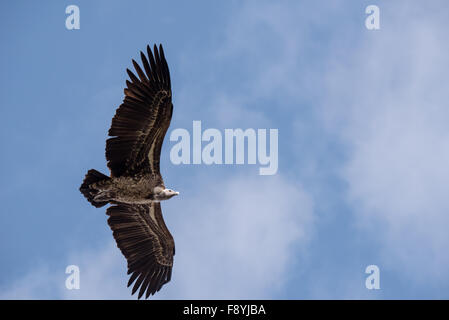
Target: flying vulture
{"points": [[135, 187]]}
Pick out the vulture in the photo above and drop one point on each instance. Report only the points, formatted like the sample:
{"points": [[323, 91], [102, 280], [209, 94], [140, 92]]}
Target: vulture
{"points": [[135, 186]]}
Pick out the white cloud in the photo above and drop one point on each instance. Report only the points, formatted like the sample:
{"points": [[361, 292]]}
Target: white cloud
{"points": [[234, 239], [270, 39], [388, 101], [102, 276], [38, 284], [242, 241]]}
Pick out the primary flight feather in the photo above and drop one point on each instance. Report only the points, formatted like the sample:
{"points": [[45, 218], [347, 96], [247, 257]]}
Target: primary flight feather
{"points": [[135, 186]]}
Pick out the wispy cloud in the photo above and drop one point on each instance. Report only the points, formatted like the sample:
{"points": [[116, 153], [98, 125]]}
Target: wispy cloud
{"points": [[391, 112], [239, 241], [253, 228], [377, 99]]}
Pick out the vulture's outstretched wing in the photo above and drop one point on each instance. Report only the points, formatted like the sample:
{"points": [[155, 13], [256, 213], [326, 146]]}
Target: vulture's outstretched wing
{"points": [[146, 243], [140, 123]]}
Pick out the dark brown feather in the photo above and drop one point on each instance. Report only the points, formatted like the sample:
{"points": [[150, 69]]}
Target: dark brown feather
{"points": [[146, 244], [142, 120]]}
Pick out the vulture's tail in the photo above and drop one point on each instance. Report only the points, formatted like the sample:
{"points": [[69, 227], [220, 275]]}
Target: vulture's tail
{"points": [[86, 189]]}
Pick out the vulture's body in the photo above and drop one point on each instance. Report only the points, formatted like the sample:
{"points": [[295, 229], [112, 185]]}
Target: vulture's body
{"points": [[135, 187]]}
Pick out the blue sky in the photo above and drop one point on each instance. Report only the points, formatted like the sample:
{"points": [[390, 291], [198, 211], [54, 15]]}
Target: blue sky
{"points": [[363, 146]]}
